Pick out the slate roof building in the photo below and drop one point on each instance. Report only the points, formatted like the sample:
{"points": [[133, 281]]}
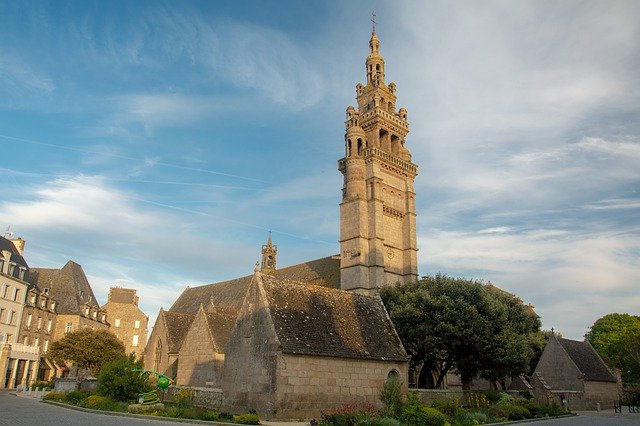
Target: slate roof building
{"points": [[18, 359], [67, 293], [290, 342], [573, 371]]}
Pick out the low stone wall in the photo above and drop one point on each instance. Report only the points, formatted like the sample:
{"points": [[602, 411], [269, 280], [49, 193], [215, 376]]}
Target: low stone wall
{"points": [[466, 397], [67, 385], [200, 397]]}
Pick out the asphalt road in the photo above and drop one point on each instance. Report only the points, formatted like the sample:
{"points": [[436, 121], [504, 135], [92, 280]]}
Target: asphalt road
{"points": [[19, 411]]}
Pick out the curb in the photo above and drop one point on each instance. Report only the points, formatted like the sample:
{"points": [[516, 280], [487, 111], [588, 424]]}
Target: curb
{"points": [[535, 419]]}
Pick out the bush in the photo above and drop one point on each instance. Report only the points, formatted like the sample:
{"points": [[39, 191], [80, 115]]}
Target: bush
{"points": [[76, 397], [348, 415], [184, 397], [52, 396], [42, 385], [208, 415], [414, 412], [247, 419], [98, 402], [392, 396], [119, 381], [509, 411], [450, 407], [384, 421], [480, 417]]}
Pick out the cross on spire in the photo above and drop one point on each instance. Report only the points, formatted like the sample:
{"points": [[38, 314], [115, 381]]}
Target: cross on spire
{"points": [[373, 20]]}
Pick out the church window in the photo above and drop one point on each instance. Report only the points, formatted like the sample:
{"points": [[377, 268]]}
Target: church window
{"points": [[377, 67], [359, 146], [393, 375]]}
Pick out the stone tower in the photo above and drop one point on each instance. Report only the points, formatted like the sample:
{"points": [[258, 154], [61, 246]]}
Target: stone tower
{"points": [[269, 252], [377, 214]]}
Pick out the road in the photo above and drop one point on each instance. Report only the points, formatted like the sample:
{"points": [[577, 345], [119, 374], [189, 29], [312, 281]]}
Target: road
{"points": [[18, 411]]}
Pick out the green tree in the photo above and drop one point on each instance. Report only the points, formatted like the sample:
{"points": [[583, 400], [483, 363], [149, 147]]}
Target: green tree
{"points": [[119, 379], [616, 337], [87, 349], [452, 324]]}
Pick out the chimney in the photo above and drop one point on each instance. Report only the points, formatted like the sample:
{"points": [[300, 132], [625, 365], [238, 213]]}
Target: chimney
{"points": [[19, 244]]}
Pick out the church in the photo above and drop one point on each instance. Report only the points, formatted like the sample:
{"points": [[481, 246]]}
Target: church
{"points": [[290, 342]]}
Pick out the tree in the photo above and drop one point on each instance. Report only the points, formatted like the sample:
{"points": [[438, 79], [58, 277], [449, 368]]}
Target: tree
{"points": [[87, 349], [120, 381], [616, 337], [452, 324]]}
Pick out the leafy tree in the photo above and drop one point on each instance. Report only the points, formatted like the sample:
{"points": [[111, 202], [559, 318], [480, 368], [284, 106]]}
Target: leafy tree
{"points": [[87, 349], [616, 337], [452, 324], [119, 380]]}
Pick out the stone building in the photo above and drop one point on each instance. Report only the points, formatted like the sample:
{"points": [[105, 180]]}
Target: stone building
{"points": [[72, 297], [572, 371], [38, 327], [126, 319], [18, 359], [290, 342]]}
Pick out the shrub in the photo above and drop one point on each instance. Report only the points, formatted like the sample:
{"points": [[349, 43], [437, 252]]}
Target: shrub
{"points": [[76, 397], [119, 381], [348, 415], [42, 385], [384, 421], [224, 416], [52, 396], [175, 412], [414, 412], [247, 419], [480, 417], [504, 399], [208, 415], [184, 397], [509, 411], [98, 402], [526, 394], [392, 396], [450, 407]]}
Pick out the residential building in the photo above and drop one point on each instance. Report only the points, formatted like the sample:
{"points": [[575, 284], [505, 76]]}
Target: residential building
{"points": [[126, 319]]}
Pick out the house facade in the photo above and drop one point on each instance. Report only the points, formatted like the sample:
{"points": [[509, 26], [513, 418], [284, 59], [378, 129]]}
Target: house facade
{"points": [[126, 320]]}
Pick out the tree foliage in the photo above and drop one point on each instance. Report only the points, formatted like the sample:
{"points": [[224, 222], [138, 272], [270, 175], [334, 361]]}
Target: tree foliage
{"points": [[87, 349], [120, 381], [462, 325], [616, 337]]}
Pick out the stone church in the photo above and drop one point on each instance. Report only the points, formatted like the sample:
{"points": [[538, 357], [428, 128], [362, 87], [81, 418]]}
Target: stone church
{"points": [[289, 342]]}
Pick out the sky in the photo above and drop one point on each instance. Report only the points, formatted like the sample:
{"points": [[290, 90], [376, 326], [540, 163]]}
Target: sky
{"points": [[157, 143]]}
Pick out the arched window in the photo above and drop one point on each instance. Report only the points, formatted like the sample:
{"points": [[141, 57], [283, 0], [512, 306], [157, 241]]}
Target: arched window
{"points": [[392, 375], [360, 146], [349, 148]]}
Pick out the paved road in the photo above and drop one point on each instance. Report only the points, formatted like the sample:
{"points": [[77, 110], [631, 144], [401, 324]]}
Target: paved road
{"points": [[591, 418], [18, 411]]}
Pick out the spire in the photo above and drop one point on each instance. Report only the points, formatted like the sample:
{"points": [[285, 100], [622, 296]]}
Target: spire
{"points": [[375, 61], [269, 252]]}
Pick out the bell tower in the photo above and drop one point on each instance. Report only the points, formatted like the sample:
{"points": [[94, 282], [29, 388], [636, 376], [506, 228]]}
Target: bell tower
{"points": [[378, 244], [269, 252]]}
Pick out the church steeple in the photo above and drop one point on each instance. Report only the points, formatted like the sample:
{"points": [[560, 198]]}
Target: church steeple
{"points": [[377, 215], [269, 252]]}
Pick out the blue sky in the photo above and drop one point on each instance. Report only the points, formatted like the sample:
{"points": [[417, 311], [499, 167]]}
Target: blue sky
{"points": [[157, 143]]}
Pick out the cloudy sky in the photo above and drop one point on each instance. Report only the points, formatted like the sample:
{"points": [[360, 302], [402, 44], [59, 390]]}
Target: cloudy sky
{"points": [[157, 143]]}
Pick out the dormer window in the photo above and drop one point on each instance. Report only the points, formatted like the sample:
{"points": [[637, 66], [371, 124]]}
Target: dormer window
{"points": [[46, 290], [33, 299], [86, 311], [81, 293], [95, 314], [43, 303], [53, 306]]}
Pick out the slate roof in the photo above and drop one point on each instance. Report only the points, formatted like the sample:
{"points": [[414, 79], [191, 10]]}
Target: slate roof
{"points": [[69, 286], [587, 360], [177, 325], [320, 321], [220, 326], [229, 295], [16, 257]]}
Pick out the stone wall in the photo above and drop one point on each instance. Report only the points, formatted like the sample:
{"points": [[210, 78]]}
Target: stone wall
{"points": [[604, 393], [200, 397], [200, 365], [306, 385], [70, 384]]}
